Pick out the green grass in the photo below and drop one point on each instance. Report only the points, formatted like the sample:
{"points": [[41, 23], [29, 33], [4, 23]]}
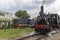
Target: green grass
{"points": [[14, 32]]}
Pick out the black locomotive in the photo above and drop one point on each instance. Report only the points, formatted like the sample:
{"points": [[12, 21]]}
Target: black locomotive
{"points": [[46, 22]]}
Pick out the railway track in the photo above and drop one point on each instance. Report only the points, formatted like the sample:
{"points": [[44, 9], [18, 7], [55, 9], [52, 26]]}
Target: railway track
{"points": [[37, 36], [34, 37]]}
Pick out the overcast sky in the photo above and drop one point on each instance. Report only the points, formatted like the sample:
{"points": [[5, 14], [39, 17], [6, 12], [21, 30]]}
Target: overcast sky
{"points": [[32, 6]]}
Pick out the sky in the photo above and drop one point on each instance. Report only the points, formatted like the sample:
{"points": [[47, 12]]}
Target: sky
{"points": [[32, 6]]}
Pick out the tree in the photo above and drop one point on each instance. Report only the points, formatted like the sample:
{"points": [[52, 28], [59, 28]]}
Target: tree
{"points": [[22, 14]]}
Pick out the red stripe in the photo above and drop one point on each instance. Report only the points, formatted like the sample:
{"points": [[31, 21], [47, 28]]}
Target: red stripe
{"points": [[41, 26], [44, 26]]}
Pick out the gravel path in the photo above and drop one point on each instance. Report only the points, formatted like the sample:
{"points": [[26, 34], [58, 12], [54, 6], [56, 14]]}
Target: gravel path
{"points": [[55, 37]]}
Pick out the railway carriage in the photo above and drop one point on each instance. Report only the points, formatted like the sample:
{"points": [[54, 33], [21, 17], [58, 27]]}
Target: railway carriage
{"points": [[23, 23]]}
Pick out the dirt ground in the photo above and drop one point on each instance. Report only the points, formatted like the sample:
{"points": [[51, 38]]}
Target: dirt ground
{"points": [[54, 37]]}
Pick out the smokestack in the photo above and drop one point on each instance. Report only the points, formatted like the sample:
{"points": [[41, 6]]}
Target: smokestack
{"points": [[42, 10]]}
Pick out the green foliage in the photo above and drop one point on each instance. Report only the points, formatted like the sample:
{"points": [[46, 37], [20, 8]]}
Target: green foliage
{"points": [[22, 14]]}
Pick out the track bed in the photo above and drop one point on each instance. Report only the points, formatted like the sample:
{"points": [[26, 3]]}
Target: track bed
{"points": [[33, 37]]}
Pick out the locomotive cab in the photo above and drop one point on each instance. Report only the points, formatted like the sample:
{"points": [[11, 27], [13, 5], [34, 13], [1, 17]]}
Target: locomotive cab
{"points": [[53, 20]]}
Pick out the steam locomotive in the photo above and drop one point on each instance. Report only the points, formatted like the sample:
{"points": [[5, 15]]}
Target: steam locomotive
{"points": [[46, 22]]}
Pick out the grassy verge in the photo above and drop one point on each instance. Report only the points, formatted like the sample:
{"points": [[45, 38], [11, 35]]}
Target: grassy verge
{"points": [[14, 32]]}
